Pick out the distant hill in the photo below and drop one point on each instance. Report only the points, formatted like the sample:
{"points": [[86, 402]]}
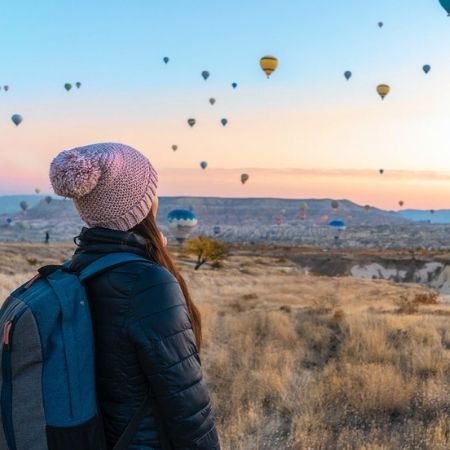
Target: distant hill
{"points": [[11, 203], [250, 220], [265, 211], [418, 215], [235, 211]]}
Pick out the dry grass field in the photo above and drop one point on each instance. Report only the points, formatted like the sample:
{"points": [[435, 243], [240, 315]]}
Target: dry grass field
{"points": [[296, 361]]}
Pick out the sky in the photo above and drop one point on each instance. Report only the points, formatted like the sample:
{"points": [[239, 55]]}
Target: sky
{"points": [[304, 133]]}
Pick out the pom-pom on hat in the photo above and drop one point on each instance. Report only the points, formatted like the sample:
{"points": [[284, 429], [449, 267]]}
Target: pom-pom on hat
{"points": [[112, 185]]}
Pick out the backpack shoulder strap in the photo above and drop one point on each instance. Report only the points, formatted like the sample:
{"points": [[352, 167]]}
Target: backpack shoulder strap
{"points": [[130, 431], [108, 262]]}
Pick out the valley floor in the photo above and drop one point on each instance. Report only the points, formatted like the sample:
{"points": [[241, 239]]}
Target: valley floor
{"points": [[299, 361]]}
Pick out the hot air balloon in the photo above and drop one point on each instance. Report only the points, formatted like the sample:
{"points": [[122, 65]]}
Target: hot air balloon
{"points": [[383, 90], [67, 87], [401, 203], [279, 220], [8, 220], [203, 165], [268, 64], [337, 224], [23, 205], [234, 85], [432, 211], [191, 122], [37, 190], [17, 119], [380, 24], [166, 59], [381, 171], [337, 227], [334, 205], [181, 223], [244, 178], [78, 84], [217, 230], [212, 101], [446, 5], [426, 68], [347, 75], [303, 210], [205, 75], [6, 88], [174, 147], [48, 199], [223, 121]]}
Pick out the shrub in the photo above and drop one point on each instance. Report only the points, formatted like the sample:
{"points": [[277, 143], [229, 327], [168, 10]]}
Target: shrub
{"points": [[410, 305], [251, 296], [339, 314], [426, 298], [32, 261], [406, 305], [326, 303], [206, 249]]}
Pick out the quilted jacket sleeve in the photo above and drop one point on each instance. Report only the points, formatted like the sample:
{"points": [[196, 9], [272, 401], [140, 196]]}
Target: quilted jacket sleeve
{"points": [[160, 327]]}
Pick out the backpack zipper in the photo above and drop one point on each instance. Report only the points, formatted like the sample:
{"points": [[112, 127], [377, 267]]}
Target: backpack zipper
{"points": [[6, 393], [6, 337]]}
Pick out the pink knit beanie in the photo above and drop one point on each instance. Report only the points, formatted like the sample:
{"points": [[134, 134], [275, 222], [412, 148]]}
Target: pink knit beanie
{"points": [[112, 185]]}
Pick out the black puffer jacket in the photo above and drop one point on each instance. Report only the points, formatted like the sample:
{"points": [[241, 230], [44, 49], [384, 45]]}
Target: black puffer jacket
{"points": [[144, 340]]}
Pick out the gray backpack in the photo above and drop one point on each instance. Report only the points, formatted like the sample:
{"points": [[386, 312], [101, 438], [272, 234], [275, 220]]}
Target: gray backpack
{"points": [[47, 380]]}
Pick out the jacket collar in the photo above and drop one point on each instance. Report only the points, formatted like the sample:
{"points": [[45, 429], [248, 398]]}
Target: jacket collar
{"points": [[100, 235], [95, 242]]}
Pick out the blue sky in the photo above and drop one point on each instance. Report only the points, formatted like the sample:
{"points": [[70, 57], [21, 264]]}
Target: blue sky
{"points": [[116, 45], [305, 116]]}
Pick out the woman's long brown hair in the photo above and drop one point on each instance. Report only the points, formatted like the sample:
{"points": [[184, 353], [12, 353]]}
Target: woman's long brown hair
{"points": [[157, 252]]}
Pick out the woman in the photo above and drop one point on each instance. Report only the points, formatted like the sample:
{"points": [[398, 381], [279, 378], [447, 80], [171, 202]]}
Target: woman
{"points": [[147, 329]]}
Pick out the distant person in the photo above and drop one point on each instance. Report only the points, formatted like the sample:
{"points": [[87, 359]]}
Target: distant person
{"points": [[147, 328], [47, 237]]}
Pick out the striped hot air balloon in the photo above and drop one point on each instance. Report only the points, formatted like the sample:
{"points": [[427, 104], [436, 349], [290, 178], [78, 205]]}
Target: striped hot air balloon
{"points": [[181, 223], [268, 64]]}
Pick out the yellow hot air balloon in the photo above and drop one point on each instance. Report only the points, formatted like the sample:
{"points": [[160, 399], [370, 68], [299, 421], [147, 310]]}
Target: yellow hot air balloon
{"points": [[268, 64], [383, 90]]}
